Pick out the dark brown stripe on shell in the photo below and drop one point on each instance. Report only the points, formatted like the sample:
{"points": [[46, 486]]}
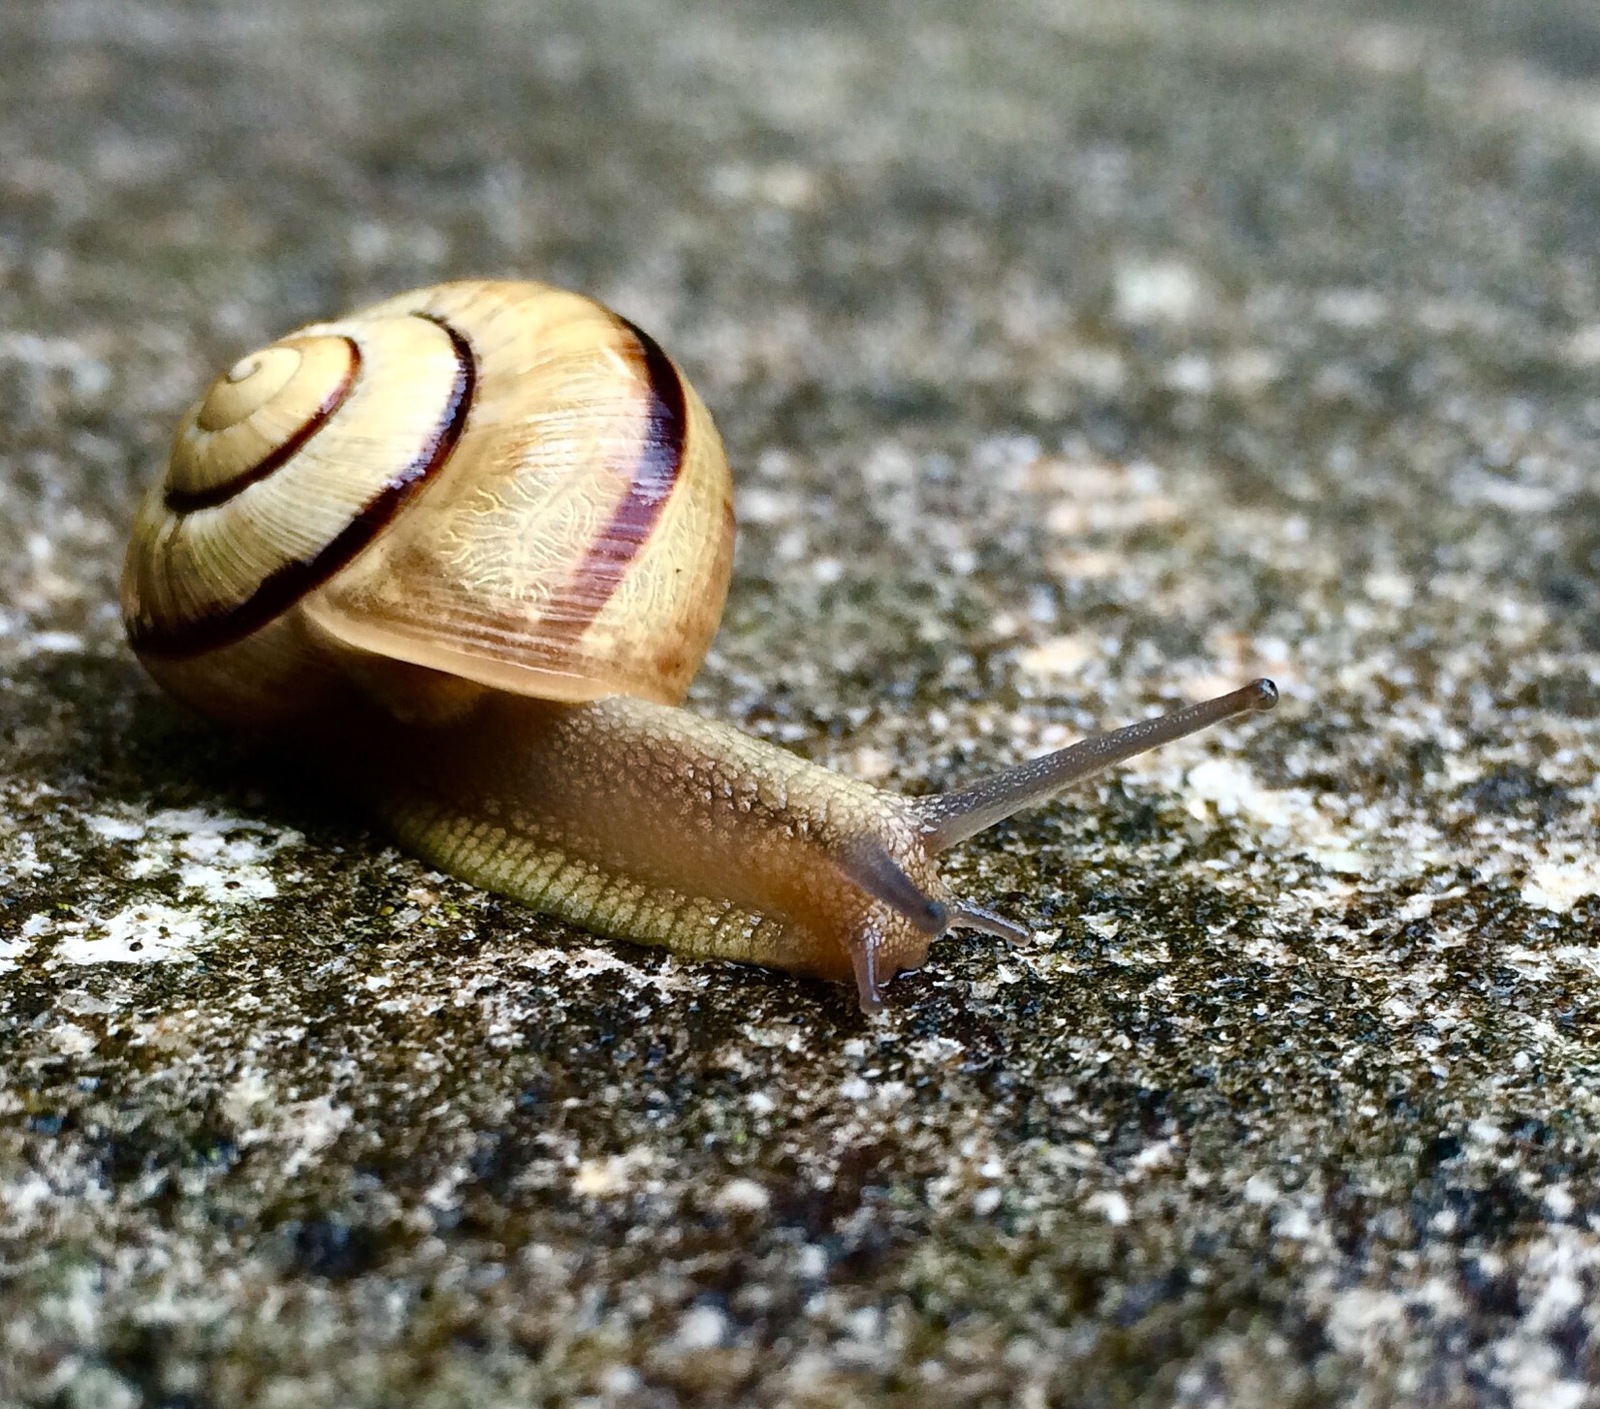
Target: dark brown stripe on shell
{"points": [[186, 501], [282, 588], [598, 574]]}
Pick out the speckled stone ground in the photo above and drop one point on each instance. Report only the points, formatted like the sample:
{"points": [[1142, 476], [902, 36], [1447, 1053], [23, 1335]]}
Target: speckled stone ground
{"points": [[1074, 358]]}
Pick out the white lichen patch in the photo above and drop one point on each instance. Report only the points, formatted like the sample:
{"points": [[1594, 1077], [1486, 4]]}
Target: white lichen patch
{"points": [[219, 857], [71, 1040], [586, 962], [1228, 788], [1087, 496], [1157, 291], [299, 1131], [20, 858], [52, 643], [1585, 956], [1111, 1206], [13, 948], [308, 1128], [1559, 885], [743, 1196], [250, 1090], [220, 862], [612, 1175], [1060, 656], [141, 933], [935, 1051]]}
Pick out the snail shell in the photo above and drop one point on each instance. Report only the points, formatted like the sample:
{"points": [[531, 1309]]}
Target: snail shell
{"points": [[503, 483]]}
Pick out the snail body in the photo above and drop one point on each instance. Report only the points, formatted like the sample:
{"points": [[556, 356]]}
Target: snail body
{"points": [[471, 544]]}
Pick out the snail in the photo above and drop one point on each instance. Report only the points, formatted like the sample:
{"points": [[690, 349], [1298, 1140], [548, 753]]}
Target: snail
{"points": [[470, 544]]}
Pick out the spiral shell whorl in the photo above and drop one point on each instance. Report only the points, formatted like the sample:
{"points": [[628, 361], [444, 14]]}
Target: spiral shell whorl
{"points": [[502, 482], [256, 416]]}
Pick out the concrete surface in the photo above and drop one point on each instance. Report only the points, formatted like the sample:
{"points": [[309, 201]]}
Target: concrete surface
{"points": [[1075, 357]]}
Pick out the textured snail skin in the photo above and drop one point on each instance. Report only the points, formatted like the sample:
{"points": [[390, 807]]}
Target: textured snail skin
{"points": [[634, 819], [469, 545]]}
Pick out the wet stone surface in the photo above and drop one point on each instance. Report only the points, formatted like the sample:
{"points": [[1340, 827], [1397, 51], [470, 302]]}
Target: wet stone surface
{"points": [[1075, 361]]}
